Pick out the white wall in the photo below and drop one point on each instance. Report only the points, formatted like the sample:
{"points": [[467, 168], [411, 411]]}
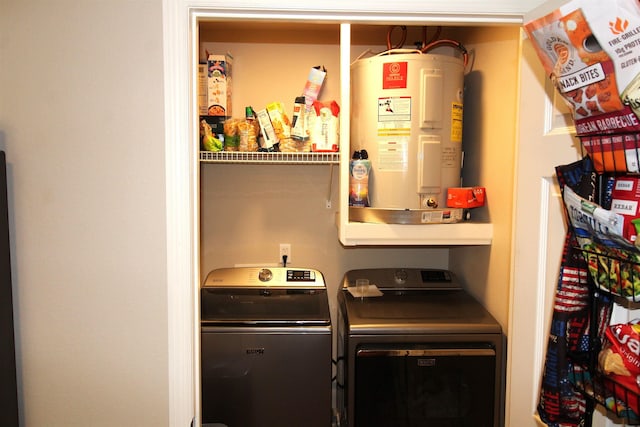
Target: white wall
{"points": [[81, 121]]}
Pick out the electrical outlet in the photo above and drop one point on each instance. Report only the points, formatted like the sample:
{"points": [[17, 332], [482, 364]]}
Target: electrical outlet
{"points": [[285, 249]]}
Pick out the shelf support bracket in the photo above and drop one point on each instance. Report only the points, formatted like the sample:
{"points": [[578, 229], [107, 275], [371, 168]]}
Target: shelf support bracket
{"points": [[328, 200]]}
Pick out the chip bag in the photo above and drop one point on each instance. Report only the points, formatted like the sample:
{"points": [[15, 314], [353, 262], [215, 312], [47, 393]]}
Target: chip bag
{"points": [[620, 360], [324, 127], [590, 48]]}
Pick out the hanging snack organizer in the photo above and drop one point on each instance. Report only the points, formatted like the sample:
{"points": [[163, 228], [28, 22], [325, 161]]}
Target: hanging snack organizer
{"points": [[591, 51]]}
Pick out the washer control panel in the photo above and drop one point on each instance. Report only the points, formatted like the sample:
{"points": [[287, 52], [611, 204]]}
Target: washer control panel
{"points": [[271, 277], [301, 276]]}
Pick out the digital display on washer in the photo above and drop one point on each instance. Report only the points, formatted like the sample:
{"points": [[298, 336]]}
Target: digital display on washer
{"points": [[430, 276], [301, 276]]}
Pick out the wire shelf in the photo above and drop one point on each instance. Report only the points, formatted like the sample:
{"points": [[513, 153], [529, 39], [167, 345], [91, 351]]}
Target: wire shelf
{"points": [[615, 271], [259, 157], [607, 392]]}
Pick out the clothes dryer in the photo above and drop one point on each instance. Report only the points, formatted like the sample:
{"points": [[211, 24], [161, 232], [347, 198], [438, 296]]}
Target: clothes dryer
{"points": [[416, 349]]}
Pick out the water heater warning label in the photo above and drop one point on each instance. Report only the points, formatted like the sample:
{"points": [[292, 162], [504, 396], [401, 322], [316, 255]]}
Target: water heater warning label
{"points": [[456, 122], [393, 155], [397, 108], [394, 132]]}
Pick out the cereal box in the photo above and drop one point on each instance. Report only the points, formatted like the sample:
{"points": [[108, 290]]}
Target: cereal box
{"points": [[202, 89], [219, 85]]}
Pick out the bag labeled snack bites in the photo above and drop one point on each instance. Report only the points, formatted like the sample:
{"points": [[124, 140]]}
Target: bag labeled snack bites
{"points": [[591, 51]]}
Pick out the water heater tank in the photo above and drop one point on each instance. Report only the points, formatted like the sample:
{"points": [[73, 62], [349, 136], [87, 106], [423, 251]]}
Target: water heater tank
{"points": [[407, 113]]}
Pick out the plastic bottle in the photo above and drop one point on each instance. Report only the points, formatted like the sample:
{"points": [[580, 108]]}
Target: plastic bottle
{"points": [[299, 122], [247, 132], [359, 170]]}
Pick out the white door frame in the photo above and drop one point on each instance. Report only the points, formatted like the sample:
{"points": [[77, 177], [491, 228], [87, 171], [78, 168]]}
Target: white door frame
{"points": [[181, 220]]}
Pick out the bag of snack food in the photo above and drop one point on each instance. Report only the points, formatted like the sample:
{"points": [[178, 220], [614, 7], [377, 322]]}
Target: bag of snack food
{"points": [[591, 50], [620, 360], [625, 200], [560, 403], [324, 126], [231, 136], [613, 153]]}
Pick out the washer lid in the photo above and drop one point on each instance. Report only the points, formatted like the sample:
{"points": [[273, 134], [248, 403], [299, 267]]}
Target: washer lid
{"points": [[264, 296], [264, 307], [413, 301], [434, 311]]}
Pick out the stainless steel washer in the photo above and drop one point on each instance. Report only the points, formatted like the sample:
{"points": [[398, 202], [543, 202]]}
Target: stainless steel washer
{"points": [[265, 348], [418, 350]]}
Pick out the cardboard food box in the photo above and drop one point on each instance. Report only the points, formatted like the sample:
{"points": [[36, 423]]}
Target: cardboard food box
{"points": [[313, 85], [202, 89], [219, 87], [465, 197], [269, 136]]}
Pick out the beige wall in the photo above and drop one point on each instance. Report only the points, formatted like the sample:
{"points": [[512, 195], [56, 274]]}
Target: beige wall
{"points": [[490, 145], [81, 120], [248, 210]]}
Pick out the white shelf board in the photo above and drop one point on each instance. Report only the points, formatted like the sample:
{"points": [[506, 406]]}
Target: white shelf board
{"points": [[463, 233]]}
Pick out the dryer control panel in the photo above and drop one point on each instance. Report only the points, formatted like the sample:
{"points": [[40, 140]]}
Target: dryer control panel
{"points": [[403, 278]]}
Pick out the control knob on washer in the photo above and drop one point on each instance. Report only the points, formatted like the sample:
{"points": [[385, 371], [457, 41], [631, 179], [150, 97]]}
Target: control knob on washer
{"points": [[400, 276], [265, 275]]}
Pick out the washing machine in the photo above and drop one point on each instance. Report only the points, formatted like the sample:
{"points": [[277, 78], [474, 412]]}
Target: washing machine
{"points": [[415, 349], [266, 348]]}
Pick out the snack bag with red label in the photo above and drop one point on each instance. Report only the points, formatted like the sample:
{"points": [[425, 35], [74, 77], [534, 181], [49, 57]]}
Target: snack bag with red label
{"points": [[625, 200], [620, 359], [590, 48]]}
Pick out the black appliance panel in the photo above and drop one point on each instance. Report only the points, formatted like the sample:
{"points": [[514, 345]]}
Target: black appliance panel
{"points": [[9, 384], [423, 385], [268, 378]]}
